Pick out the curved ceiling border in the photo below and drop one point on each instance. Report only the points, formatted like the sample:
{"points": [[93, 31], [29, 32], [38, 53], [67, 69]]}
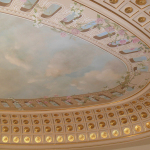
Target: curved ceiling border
{"points": [[120, 17], [115, 123], [80, 128], [83, 145], [83, 37]]}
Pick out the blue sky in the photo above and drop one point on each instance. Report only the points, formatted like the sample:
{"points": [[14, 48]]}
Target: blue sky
{"points": [[39, 62]]}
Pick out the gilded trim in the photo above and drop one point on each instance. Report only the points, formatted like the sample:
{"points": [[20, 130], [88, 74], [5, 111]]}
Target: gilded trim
{"points": [[140, 24], [79, 107], [116, 15], [147, 30], [74, 108], [147, 13], [127, 15], [94, 141], [138, 6], [113, 6]]}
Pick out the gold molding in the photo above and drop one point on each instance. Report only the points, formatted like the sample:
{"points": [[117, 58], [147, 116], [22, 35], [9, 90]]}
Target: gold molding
{"points": [[128, 10], [113, 6], [93, 141], [74, 108], [140, 24], [140, 5], [127, 15], [147, 13], [141, 19], [85, 106], [147, 30], [140, 2], [60, 138], [116, 15]]}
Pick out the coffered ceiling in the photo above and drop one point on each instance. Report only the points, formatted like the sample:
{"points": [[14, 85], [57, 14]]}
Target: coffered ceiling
{"points": [[74, 73], [132, 11]]}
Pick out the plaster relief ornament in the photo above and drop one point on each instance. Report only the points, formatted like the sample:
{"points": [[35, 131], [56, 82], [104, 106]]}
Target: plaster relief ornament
{"points": [[80, 77], [141, 2], [67, 68]]}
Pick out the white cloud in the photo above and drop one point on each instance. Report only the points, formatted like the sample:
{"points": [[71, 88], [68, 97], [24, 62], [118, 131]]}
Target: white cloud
{"points": [[95, 80], [32, 80], [11, 82], [60, 86], [68, 61], [107, 75], [17, 62], [31, 50], [117, 66]]}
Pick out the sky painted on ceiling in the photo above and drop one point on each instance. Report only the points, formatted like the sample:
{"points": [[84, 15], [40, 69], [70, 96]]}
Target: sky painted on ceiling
{"points": [[38, 62]]}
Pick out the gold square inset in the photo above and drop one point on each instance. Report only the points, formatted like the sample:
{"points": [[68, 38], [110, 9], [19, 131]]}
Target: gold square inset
{"points": [[140, 6], [147, 28], [138, 19], [147, 11], [132, 7], [115, 5]]}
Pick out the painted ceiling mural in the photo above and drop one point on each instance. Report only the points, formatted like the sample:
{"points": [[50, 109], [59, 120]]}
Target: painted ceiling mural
{"points": [[39, 62], [74, 73], [60, 51]]}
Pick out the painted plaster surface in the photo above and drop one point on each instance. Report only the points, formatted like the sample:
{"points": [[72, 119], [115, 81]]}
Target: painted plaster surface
{"points": [[39, 62]]}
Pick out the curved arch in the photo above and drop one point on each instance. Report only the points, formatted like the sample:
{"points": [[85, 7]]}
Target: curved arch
{"points": [[124, 119]]}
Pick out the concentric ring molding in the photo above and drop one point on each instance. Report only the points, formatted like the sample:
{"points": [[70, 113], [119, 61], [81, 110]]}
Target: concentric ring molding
{"points": [[125, 59], [136, 122]]}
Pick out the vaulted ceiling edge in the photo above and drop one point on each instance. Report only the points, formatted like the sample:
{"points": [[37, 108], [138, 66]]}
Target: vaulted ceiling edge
{"points": [[74, 73]]}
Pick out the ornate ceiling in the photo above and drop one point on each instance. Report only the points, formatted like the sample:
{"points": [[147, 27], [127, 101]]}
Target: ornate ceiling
{"points": [[130, 11], [114, 105]]}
